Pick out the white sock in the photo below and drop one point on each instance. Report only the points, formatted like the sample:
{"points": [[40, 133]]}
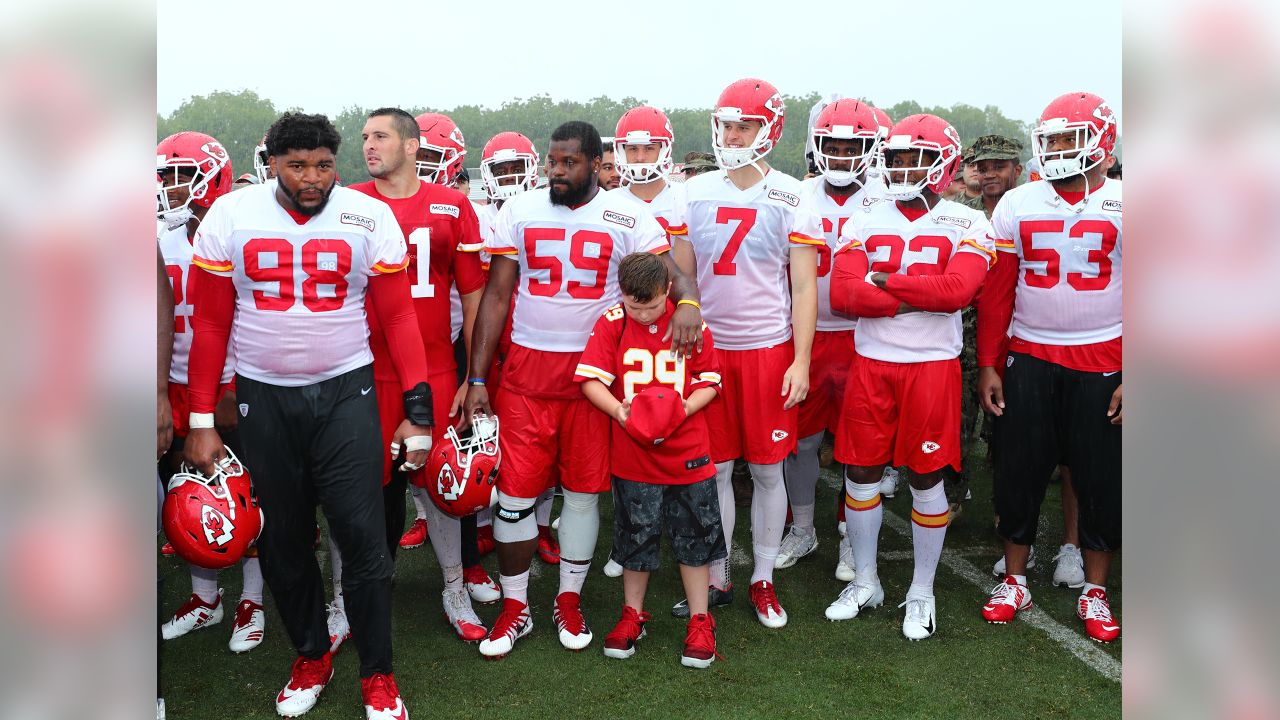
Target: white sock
{"points": [[768, 517], [204, 584], [252, 580], [542, 510], [445, 532], [420, 501], [579, 527], [1020, 579], [802, 519], [765, 558], [1090, 586], [335, 562], [452, 576], [863, 514], [929, 517], [515, 587], [728, 516], [572, 576]]}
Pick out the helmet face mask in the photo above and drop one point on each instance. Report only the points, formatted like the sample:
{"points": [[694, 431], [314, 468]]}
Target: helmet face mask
{"points": [[842, 126], [746, 101], [441, 149], [1076, 133], [644, 126], [927, 152], [509, 166], [191, 164]]}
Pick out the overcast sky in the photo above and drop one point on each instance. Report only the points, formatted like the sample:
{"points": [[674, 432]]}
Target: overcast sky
{"points": [[325, 56]]}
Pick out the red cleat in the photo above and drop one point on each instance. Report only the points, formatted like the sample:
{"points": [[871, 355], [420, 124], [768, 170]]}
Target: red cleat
{"points": [[548, 548], [415, 536]]}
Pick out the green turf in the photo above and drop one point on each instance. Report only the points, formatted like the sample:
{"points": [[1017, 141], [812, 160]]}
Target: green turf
{"points": [[860, 668]]}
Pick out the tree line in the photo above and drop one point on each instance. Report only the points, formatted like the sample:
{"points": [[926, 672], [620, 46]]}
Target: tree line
{"points": [[240, 119]]}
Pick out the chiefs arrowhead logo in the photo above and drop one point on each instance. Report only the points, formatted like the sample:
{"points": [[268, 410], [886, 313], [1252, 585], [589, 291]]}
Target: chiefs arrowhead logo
{"points": [[779, 435], [217, 527], [447, 483], [929, 447]]}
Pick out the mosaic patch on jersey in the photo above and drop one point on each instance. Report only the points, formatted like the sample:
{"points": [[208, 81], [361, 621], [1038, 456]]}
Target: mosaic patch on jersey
{"points": [[353, 219]]}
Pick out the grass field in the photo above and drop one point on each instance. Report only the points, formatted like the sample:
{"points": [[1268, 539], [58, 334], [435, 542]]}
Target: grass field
{"points": [[1041, 668]]}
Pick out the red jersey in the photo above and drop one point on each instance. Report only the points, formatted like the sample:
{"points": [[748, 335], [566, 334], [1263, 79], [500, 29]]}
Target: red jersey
{"points": [[634, 355], [435, 221]]}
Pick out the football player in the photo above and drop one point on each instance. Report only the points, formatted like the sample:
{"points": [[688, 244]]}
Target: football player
{"points": [[610, 178], [905, 267], [194, 170], [436, 221], [756, 243], [1061, 397], [643, 143], [285, 270], [846, 137], [561, 246]]}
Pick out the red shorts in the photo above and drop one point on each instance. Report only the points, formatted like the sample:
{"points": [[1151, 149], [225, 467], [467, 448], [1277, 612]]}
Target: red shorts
{"points": [[540, 435], [391, 411], [828, 370], [747, 420], [181, 404], [901, 413]]}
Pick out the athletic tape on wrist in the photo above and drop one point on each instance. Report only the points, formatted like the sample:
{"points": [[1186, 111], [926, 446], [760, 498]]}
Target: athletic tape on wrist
{"points": [[200, 421]]}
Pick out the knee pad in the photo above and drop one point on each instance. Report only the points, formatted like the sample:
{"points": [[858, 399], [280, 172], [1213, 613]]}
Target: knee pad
{"points": [[516, 519], [861, 493], [581, 502]]}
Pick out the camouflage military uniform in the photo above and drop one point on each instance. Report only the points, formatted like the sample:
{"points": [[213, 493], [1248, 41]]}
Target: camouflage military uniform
{"points": [[987, 147]]}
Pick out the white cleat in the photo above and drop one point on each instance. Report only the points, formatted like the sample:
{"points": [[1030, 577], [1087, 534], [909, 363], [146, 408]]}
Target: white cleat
{"points": [[339, 628], [459, 614], [574, 632], [612, 568], [922, 617], [193, 615], [999, 568], [513, 623], [1069, 572], [844, 567], [853, 599], [480, 586], [889, 482], [250, 627], [795, 546]]}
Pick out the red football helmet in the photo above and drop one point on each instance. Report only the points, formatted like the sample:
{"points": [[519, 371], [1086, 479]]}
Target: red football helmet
{"points": [[886, 122], [846, 120], [261, 165], [643, 125], [440, 134], [921, 132], [462, 475], [206, 159], [747, 99], [503, 148], [1092, 122], [212, 521]]}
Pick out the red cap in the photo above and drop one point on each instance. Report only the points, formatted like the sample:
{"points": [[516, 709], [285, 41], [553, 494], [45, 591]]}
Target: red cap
{"points": [[655, 413]]}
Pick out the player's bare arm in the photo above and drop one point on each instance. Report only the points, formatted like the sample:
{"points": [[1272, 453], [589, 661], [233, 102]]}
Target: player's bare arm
{"points": [[991, 391], [470, 307], [164, 346], [804, 319], [685, 331], [491, 317]]}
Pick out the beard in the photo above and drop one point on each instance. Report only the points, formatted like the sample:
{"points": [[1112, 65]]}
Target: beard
{"points": [[572, 195], [311, 211]]}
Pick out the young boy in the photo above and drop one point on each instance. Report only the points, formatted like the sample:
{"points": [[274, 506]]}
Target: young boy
{"points": [[661, 451]]}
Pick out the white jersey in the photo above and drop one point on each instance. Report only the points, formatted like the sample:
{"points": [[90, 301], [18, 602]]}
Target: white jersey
{"points": [[833, 216], [300, 288], [177, 251], [743, 241], [895, 244], [568, 262], [668, 207], [1070, 289]]}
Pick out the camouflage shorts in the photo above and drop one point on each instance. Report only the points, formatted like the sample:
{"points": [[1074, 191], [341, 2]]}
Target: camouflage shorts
{"points": [[690, 512]]}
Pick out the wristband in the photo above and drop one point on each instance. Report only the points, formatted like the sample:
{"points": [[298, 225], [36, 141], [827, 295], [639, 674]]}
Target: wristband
{"points": [[689, 302], [200, 421], [868, 277], [417, 405], [475, 381]]}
